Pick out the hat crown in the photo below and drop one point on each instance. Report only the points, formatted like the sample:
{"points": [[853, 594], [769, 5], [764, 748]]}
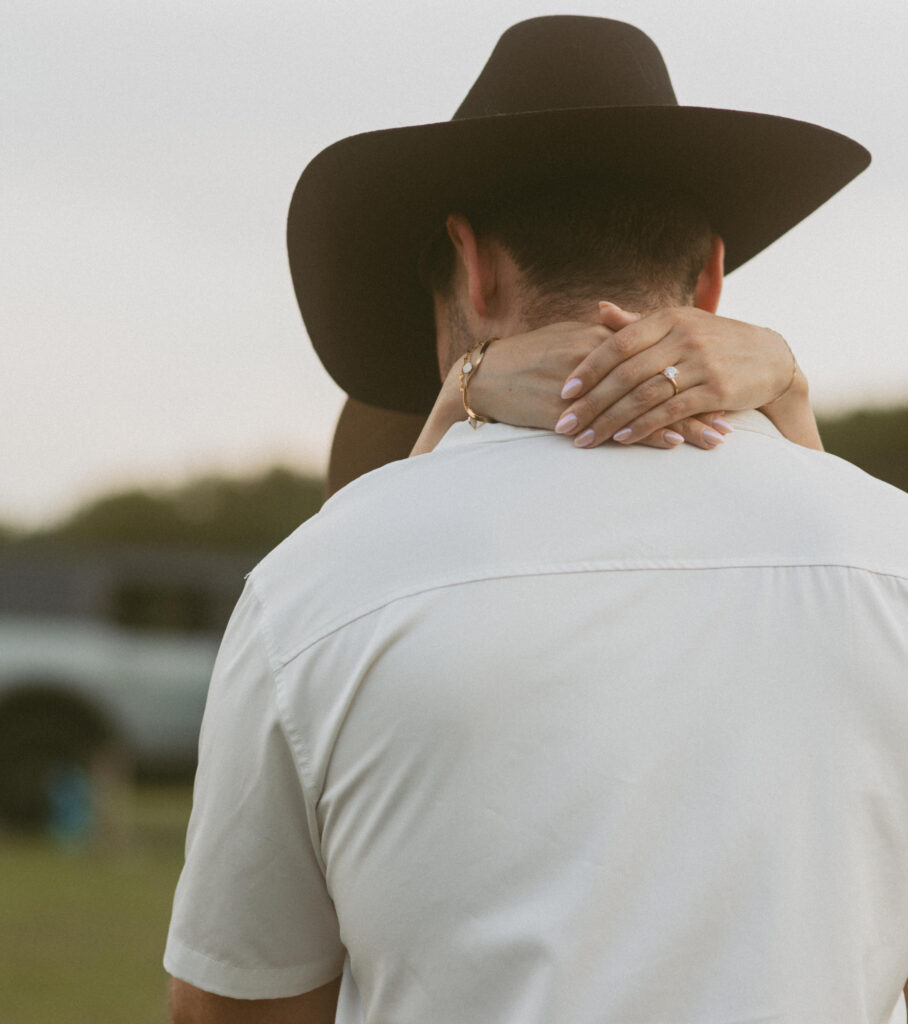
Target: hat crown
{"points": [[565, 61]]}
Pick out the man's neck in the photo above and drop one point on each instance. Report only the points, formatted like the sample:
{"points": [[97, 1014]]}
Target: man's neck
{"points": [[456, 333]]}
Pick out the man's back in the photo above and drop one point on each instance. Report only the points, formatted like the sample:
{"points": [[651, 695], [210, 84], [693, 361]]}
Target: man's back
{"points": [[583, 736]]}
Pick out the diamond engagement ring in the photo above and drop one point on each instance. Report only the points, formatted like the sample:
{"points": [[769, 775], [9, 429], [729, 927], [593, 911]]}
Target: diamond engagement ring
{"points": [[670, 373]]}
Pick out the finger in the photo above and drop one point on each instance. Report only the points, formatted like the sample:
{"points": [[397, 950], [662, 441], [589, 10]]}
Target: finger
{"points": [[616, 318], [698, 432], [663, 439], [673, 411], [627, 357], [607, 410], [716, 420], [642, 413]]}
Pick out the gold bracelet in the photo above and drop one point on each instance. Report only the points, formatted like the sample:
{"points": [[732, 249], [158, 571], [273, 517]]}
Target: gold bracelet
{"points": [[467, 372], [794, 373]]}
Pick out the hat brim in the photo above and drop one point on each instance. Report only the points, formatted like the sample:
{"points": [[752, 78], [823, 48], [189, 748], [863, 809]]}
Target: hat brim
{"points": [[364, 207]]}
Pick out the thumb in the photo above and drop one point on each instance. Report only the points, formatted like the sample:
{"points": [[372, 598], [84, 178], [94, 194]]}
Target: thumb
{"points": [[614, 317]]}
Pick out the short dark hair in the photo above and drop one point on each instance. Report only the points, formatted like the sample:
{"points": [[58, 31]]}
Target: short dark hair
{"points": [[636, 243]]}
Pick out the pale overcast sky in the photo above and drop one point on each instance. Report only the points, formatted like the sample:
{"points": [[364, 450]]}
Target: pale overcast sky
{"points": [[149, 329]]}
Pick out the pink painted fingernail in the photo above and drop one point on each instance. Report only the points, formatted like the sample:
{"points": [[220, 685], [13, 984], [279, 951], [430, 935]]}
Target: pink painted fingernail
{"points": [[711, 437], [566, 424], [622, 435], [723, 426], [670, 437], [584, 439], [572, 387]]}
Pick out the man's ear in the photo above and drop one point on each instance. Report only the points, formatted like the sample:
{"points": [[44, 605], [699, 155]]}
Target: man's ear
{"points": [[476, 262], [709, 283]]}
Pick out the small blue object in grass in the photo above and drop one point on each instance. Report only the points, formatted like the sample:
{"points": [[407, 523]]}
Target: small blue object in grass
{"points": [[70, 804]]}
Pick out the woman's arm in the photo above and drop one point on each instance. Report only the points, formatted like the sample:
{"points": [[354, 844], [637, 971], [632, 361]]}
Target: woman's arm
{"points": [[611, 375], [447, 411]]}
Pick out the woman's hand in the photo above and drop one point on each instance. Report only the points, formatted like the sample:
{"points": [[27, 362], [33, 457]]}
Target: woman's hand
{"points": [[618, 391], [523, 384]]}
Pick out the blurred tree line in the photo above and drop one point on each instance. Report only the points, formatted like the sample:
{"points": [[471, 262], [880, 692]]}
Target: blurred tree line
{"points": [[874, 439], [215, 513], [255, 514]]}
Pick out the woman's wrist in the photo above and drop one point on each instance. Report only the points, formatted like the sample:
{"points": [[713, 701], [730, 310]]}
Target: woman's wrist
{"points": [[791, 364], [520, 380], [792, 415]]}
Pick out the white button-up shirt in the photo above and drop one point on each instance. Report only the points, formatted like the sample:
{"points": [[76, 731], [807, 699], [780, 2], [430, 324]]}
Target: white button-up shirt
{"points": [[514, 733]]}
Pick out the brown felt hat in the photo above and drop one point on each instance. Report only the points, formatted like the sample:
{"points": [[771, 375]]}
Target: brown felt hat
{"points": [[560, 98]]}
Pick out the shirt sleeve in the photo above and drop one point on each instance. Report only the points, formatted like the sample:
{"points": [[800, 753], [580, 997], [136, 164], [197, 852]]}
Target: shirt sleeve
{"points": [[252, 917]]}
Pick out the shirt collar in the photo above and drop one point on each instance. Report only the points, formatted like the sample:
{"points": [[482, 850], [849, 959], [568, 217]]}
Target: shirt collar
{"points": [[462, 433], [755, 422]]}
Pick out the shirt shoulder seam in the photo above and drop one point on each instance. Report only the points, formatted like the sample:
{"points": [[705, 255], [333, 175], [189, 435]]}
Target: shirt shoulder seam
{"points": [[278, 663]]}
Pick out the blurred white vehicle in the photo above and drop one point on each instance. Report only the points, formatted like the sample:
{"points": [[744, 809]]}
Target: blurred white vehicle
{"points": [[105, 658], [72, 691]]}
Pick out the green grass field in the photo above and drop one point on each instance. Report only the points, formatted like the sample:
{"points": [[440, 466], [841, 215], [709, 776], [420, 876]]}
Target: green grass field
{"points": [[82, 930]]}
